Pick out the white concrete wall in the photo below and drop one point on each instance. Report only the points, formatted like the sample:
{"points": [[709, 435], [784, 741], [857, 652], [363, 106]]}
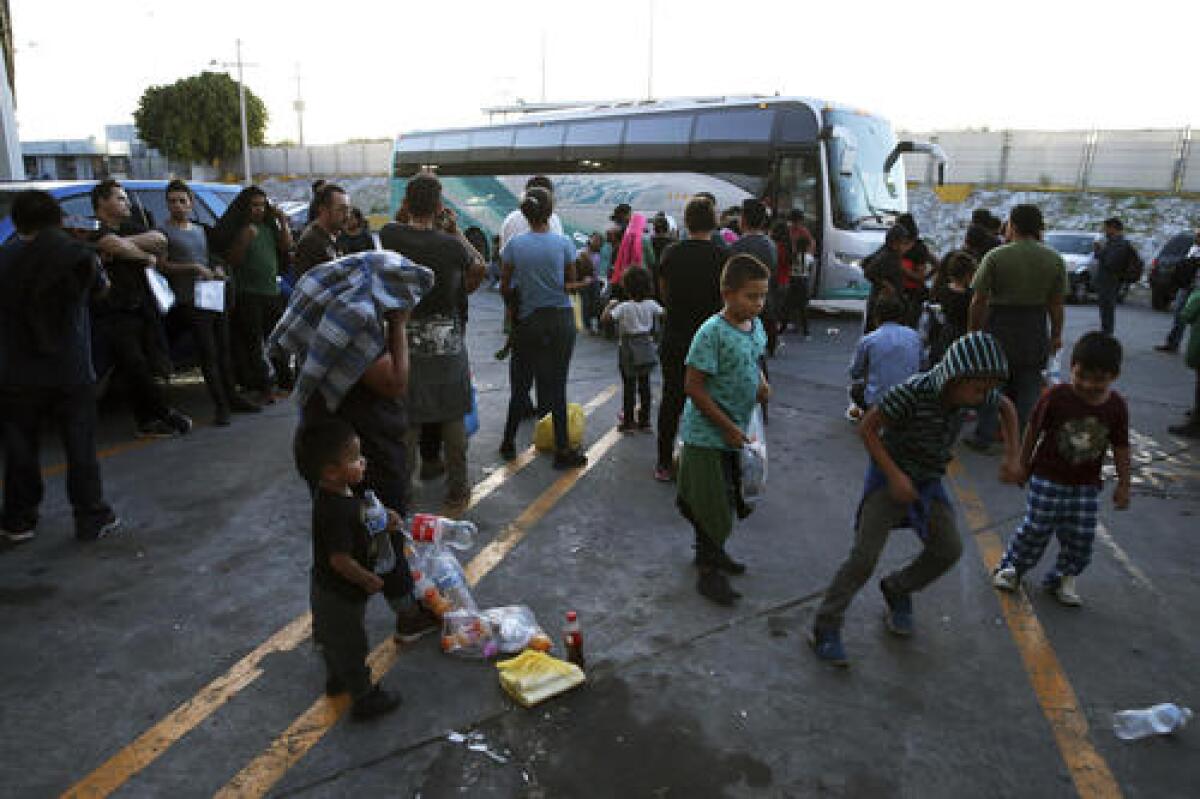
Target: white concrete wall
{"points": [[373, 158], [1144, 160], [1052, 158], [12, 167]]}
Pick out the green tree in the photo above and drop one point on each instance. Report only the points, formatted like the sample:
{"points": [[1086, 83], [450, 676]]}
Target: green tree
{"points": [[197, 118]]}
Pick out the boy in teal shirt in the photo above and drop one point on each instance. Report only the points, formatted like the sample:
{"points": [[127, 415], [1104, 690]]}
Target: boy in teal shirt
{"points": [[723, 382]]}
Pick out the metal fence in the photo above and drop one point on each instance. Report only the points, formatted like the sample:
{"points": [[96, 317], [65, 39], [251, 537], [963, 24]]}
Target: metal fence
{"points": [[1164, 161]]}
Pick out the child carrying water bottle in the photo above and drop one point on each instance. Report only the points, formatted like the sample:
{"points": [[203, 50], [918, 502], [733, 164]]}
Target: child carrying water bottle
{"points": [[637, 353]]}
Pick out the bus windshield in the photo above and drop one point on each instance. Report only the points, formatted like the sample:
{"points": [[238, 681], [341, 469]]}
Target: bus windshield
{"points": [[864, 195]]}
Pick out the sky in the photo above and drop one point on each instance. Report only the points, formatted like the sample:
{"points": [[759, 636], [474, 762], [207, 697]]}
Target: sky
{"points": [[376, 68]]}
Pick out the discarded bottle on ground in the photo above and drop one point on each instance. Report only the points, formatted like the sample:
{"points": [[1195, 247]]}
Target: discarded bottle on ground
{"points": [[573, 639], [1129, 725], [428, 528]]}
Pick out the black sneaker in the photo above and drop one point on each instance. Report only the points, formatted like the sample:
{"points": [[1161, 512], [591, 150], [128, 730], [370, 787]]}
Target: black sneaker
{"points": [[508, 450], [181, 423], [569, 459], [107, 525], [374, 704], [415, 623], [715, 586], [17, 535], [221, 418], [240, 404], [159, 428]]}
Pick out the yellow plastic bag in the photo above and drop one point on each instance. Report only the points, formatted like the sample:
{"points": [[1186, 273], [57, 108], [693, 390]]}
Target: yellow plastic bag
{"points": [[532, 677], [543, 434]]}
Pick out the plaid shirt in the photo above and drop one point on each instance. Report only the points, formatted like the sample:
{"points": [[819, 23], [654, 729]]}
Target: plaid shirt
{"points": [[334, 318]]}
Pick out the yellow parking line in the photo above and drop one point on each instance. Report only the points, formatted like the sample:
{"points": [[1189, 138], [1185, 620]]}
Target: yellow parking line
{"points": [[1089, 771], [155, 741], [151, 744], [272, 763]]}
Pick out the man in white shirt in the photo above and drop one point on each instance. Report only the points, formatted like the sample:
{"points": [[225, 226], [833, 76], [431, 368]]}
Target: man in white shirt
{"points": [[515, 223]]}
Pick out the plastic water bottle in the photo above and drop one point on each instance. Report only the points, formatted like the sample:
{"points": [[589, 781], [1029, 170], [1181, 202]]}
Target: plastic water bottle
{"points": [[374, 514], [375, 519], [573, 639], [1164, 719], [1053, 371], [428, 528]]}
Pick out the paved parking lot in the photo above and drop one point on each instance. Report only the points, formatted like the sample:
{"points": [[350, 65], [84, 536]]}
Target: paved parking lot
{"points": [[175, 659]]}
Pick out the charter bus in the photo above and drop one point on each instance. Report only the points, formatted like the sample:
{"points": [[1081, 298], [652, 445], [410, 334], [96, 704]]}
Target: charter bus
{"points": [[839, 165]]}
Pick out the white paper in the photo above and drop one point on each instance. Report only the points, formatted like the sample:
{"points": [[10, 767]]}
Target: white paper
{"points": [[161, 289], [210, 295]]}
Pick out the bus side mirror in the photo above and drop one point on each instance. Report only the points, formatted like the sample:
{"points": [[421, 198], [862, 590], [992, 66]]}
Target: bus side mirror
{"points": [[934, 151]]}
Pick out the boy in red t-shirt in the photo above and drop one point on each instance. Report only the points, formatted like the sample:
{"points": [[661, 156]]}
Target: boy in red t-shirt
{"points": [[1072, 428]]}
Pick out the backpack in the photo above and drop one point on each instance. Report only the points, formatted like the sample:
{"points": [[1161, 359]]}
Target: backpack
{"points": [[1134, 266]]}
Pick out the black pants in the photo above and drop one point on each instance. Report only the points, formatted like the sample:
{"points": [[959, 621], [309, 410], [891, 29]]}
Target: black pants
{"points": [[340, 630], [636, 394], [1107, 289], [380, 424], [72, 410], [210, 329], [128, 336], [671, 356], [541, 355], [253, 319]]}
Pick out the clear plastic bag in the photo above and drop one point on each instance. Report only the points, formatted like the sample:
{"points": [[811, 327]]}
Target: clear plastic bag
{"points": [[440, 565], [754, 459], [516, 628], [468, 634]]}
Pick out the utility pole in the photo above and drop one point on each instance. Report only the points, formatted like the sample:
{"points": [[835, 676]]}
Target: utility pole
{"points": [[543, 65], [650, 57], [242, 104], [299, 106]]}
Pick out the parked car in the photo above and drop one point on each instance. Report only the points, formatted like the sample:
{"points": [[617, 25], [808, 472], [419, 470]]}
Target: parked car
{"points": [[1162, 269], [148, 201], [1078, 251], [146, 197]]}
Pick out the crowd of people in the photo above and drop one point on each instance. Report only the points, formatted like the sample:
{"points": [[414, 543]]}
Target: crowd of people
{"points": [[944, 339]]}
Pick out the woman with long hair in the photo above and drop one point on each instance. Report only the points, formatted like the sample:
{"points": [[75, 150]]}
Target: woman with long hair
{"points": [[252, 237]]}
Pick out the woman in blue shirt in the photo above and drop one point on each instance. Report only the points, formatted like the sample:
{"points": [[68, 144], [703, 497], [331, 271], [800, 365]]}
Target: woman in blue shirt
{"points": [[540, 267]]}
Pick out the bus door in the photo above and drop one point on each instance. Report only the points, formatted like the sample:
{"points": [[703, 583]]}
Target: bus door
{"points": [[796, 177]]}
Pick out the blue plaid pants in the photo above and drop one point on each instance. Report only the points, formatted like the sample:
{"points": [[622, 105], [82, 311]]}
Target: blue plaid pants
{"points": [[1066, 511]]}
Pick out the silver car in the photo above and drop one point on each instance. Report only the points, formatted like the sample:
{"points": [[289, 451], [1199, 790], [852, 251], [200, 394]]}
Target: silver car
{"points": [[1078, 251]]}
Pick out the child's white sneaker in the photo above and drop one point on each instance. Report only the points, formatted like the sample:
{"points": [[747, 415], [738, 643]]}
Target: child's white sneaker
{"points": [[1006, 579], [1065, 592]]}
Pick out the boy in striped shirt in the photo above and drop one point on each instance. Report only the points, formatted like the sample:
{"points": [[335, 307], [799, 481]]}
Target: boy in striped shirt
{"points": [[909, 435]]}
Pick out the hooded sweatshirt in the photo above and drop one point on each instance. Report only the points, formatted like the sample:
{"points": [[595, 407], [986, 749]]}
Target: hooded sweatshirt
{"points": [[919, 427]]}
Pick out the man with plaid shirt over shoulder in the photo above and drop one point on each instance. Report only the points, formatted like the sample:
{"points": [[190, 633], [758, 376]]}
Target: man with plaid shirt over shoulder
{"points": [[1072, 428]]}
